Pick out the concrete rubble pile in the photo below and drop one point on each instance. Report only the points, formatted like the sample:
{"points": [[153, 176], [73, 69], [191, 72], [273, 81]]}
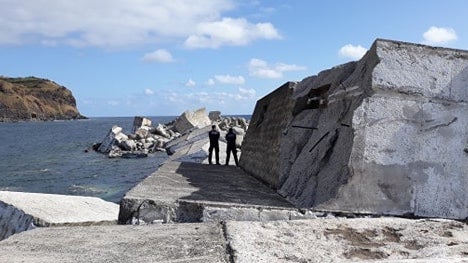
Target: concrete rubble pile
{"points": [[146, 138], [386, 135]]}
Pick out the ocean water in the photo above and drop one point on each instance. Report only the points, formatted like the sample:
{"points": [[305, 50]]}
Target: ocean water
{"points": [[50, 157]]}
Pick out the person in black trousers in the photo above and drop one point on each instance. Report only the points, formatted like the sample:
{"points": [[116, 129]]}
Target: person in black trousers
{"points": [[231, 146], [214, 144]]}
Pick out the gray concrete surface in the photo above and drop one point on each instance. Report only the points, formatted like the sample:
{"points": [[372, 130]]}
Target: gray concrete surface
{"points": [[150, 243], [24, 211], [193, 192], [349, 240], [317, 240]]}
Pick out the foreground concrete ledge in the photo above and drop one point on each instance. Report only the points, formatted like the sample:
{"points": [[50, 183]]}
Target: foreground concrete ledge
{"points": [[349, 240], [194, 192], [316, 240], [117, 243], [23, 211]]}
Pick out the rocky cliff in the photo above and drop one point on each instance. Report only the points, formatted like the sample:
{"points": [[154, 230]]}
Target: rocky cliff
{"points": [[24, 99]]}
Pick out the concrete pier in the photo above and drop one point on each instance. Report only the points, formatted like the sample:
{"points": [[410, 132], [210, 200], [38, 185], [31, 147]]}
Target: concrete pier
{"points": [[194, 192]]}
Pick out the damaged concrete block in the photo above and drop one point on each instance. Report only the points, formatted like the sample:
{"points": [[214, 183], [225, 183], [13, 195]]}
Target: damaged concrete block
{"points": [[192, 119], [384, 135], [139, 122], [115, 136]]}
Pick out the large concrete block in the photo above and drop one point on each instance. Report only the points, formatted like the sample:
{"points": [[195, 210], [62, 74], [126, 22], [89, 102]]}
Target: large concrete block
{"points": [[141, 122], [192, 119], [25, 211], [384, 135], [113, 137], [194, 192], [154, 243]]}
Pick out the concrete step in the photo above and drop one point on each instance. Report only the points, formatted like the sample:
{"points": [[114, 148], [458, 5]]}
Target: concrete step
{"points": [[117, 243]]}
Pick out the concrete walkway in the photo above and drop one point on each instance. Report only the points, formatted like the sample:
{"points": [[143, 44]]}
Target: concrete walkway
{"points": [[316, 240], [194, 192], [150, 243]]}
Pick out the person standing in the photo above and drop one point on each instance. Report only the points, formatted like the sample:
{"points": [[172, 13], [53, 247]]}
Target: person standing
{"points": [[214, 144], [231, 146]]}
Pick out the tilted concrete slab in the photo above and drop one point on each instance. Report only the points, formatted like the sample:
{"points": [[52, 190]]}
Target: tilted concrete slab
{"points": [[193, 192], [383, 135], [349, 240], [24, 211], [117, 243]]}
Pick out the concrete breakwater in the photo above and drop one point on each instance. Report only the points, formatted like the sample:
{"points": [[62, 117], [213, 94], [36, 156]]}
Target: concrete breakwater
{"points": [[147, 138], [314, 154]]}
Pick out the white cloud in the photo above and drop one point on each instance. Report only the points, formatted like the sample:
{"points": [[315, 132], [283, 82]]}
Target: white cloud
{"points": [[160, 55], [113, 102], [190, 83], [228, 79], [247, 93], [126, 23], [210, 82], [229, 31], [352, 52], [260, 68], [439, 35], [239, 101], [149, 92]]}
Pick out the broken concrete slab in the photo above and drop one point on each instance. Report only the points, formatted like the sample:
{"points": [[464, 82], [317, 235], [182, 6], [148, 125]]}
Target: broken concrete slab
{"points": [[384, 135], [191, 119], [25, 211], [115, 135], [194, 192], [349, 240], [150, 243]]}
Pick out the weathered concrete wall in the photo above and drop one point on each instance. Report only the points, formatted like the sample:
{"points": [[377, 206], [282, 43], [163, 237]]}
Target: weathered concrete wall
{"points": [[383, 135], [260, 148]]}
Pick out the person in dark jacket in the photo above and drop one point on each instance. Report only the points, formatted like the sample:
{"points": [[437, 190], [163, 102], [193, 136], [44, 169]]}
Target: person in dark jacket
{"points": [[214, 144], [231, 146]]}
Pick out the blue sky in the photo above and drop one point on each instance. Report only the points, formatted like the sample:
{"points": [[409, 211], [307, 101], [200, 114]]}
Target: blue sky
{"points": [[150, 57]]}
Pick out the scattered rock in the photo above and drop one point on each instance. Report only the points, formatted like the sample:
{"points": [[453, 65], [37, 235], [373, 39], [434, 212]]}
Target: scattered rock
{"points": [[147, 139]]}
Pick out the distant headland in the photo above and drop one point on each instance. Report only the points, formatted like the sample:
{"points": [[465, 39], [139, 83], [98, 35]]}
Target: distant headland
{"points": [[35, 99]]}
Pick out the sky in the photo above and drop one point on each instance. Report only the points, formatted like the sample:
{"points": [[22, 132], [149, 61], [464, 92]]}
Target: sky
{"points": [[163, 57]]}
